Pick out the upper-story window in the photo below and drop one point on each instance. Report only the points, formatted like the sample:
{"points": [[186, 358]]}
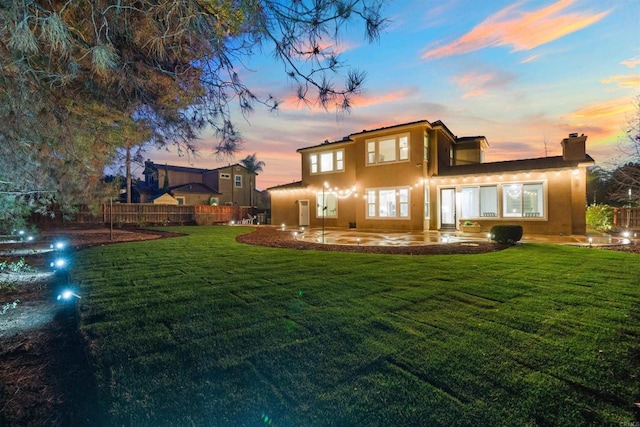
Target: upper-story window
{"points": [[238, 180], [387, 149], [327, 161], [225, 176]]}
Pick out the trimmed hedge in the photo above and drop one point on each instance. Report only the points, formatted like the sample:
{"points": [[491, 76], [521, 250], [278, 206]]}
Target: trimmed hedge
{"points": [[506, 233]]}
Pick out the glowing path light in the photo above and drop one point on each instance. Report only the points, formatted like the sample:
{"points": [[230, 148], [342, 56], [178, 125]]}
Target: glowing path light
{"points": [[67, 295]]}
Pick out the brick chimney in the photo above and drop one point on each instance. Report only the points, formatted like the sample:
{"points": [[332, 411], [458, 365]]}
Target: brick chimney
{"points": [[574, 147]]}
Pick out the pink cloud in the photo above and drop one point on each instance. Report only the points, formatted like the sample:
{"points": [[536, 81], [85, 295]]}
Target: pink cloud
{"points": [[476, 83], [631, 63], [519, 29], [292, 102]]}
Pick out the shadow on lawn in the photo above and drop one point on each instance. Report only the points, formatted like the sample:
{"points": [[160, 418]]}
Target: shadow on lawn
{"points": [[45, 378]]}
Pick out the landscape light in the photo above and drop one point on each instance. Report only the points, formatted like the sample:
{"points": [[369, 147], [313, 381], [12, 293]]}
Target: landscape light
{"points": [[358, 241], [489, 236], [295, 235], [58, 245], [67, 295], [20, 232], [58, 263], [590, 241], [626, 233], [30, 239]]}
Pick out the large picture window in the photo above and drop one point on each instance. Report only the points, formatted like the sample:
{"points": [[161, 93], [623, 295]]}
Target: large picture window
{"points": [[479, 202], [523, 200], [388, 203], [327, 161], [327, 205], [388, 149]]}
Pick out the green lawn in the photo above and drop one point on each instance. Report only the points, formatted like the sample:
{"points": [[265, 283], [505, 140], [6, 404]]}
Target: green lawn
{"points": [[202, 330]]}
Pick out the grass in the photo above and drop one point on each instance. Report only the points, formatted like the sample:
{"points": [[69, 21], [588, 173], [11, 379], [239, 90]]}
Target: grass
{"points": [[203, 330]]}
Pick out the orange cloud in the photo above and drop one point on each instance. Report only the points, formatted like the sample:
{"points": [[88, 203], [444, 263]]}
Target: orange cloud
{"points": [[612, 108], [631, 63], [629, 81], [519, 29]]}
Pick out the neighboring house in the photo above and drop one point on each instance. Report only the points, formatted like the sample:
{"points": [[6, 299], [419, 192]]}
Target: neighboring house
{"points": [[420, 176], [230, 185]]}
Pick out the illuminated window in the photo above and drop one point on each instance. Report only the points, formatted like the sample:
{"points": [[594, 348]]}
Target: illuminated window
{"points": [[327, 161], [388, 203], [327, 205], [523, 200], [388, 149], [479, 202]]}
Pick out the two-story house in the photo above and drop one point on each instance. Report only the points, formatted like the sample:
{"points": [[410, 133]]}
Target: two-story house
{"points": [[420, 176], [231, 185]]}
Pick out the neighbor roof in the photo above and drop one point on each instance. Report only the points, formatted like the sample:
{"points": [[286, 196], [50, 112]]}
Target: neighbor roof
{"points": [[291, 185], [193, 187]]}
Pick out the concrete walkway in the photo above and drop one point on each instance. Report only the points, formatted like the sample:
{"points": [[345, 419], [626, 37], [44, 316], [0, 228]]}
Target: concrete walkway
{"points": [[337, 236]]}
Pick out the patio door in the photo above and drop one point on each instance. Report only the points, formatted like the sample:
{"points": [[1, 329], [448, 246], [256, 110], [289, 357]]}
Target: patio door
{"points": [[448, 208], [303, 213]]}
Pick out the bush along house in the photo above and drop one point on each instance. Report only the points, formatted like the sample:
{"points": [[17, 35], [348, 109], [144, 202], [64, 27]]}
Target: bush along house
{"points": [[420, 176]]}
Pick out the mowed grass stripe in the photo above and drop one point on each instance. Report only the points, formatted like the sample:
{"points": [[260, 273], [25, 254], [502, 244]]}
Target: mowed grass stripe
{"points": [[534, 334]]}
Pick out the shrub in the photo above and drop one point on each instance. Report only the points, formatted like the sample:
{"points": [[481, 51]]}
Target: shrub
{"points": [[506, 233], [600, 217]]}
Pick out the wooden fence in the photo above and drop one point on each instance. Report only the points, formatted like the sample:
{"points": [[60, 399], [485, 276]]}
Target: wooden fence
{"points": [[628, 218], [149, 214]]}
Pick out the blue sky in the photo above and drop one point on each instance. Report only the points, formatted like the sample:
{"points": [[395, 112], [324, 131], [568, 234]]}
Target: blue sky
{"points": [[520, 73]]}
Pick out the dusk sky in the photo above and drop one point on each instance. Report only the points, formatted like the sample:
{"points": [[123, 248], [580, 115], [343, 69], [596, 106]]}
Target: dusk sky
{"points": [[519, 73]]}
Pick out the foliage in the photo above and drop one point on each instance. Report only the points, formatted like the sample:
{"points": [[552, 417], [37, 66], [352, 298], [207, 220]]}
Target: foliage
{"points": [[324, 338], [252, 164], [506, 233], [16, 267], [81, 81], [625, 180], [599, 217]]}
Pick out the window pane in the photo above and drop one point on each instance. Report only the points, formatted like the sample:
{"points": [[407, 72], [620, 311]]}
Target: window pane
{"points": [[404, 147], [488, 201], [326, 162], [403, 196], [339, 160], [371, 203], [238, 180], [470, 202], [387, 204], [512, 199], [332, 205], [532, 200], [426, 202], [313, 159], [387, 150], [371, 152]]}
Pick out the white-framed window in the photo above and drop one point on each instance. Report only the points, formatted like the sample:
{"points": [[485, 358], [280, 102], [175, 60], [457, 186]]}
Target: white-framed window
{"points": [[238, 181], [327, 161], [388, 202], [225, 176], [523, 200], [479, 201], [326, 205], [425, 146], [426, 203], [388, 149]]}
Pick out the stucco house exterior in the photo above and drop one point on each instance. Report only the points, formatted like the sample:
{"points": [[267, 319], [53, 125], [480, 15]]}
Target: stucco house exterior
{"points": [[231, 185], [420, 176]]}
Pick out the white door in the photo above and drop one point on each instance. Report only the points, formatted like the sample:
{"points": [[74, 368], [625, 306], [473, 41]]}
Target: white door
{"points": [[303, 213]]}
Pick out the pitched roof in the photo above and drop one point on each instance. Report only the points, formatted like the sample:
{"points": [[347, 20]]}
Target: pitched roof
{"points": [[193, 187], [344, 140], [417, 122], [556, 162], [291, 185]]}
